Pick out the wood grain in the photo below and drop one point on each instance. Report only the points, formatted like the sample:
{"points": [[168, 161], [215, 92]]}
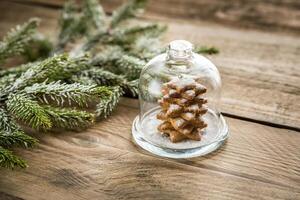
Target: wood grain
{"points": [[276, 15], [260, 69], [103, 163]]}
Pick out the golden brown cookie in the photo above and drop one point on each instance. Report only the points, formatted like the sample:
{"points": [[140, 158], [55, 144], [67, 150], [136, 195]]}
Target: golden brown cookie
{"points": [[174, 110], [175, 136]]}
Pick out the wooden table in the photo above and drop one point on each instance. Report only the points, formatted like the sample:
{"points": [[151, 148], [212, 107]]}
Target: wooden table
{"points": [[259, 63]]}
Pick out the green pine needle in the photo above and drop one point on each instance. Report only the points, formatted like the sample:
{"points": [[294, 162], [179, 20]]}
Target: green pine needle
{"points": [[16, 139], [17, 70], [69, 119], [132, 88], [8, 160], [39, 48], [62, 93], [129, 35], [95, 13], [25, 109], [51, 69], [127, 10], [16, 40], [106, 106], [7, 124], [130, 66], [145, 48], [206, 50], [72, 23], [6, 82], [119, 63]]}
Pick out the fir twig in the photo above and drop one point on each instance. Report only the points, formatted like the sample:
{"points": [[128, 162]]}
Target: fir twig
{"points": [[129, 35], [16, 40], [18, 70], [127, 10], [72, 25], [130, 66], [107, 78], [106, 106], [206, 50], [95, 13], [16, 139], [29, 111], [69, 119], [70, 93], [118, 63], [8, 160], [51, 69], [39, 48], [6, 123]]}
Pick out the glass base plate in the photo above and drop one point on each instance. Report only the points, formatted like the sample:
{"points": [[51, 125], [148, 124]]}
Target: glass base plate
{"points": [[145, 134]]}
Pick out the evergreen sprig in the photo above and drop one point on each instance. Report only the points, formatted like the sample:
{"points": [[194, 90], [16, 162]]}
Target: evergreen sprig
{"points": [[23, 108], [11, 134], [127, 10], [16, 139], [69, 119], [206, 50], [95, 14], [16, 40], [63, 93], [102, 77], [72, 23], [105, 107], [8, 160]]}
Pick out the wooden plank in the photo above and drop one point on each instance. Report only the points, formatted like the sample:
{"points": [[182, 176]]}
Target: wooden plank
{"points": [[260, 70], [258, 162], [268, 15], [253, 151]]}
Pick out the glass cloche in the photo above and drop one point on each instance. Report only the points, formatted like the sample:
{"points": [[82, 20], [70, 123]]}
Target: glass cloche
{"points": [[179, 94]]}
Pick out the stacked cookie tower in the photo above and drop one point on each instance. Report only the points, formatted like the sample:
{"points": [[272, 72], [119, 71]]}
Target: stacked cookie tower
{"points": [[182, 109]]}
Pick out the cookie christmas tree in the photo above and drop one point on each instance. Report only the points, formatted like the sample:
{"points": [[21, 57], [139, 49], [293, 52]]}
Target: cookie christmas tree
{"points": [[182, 109]]}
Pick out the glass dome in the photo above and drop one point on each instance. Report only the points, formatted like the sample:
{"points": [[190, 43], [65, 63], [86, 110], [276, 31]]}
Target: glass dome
{"points": [[179, 95]]}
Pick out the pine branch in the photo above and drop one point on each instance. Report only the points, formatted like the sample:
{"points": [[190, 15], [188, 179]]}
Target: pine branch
{"points": [[16, 40], [132, 88], [6, 122], [95, 13], [8, 160], [145, 48], [28, 111], [51, 69], [6, 82], [130, 66], [105, 107], [129, 35], [72, 25], [11, 134], [16, 139], [69, 119], [118, 63], [9, 76], [70, 93], [102, 77], [90, 43], [108, 56], [39, 48], [18, 70], [206, 50], [127, 10]]}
